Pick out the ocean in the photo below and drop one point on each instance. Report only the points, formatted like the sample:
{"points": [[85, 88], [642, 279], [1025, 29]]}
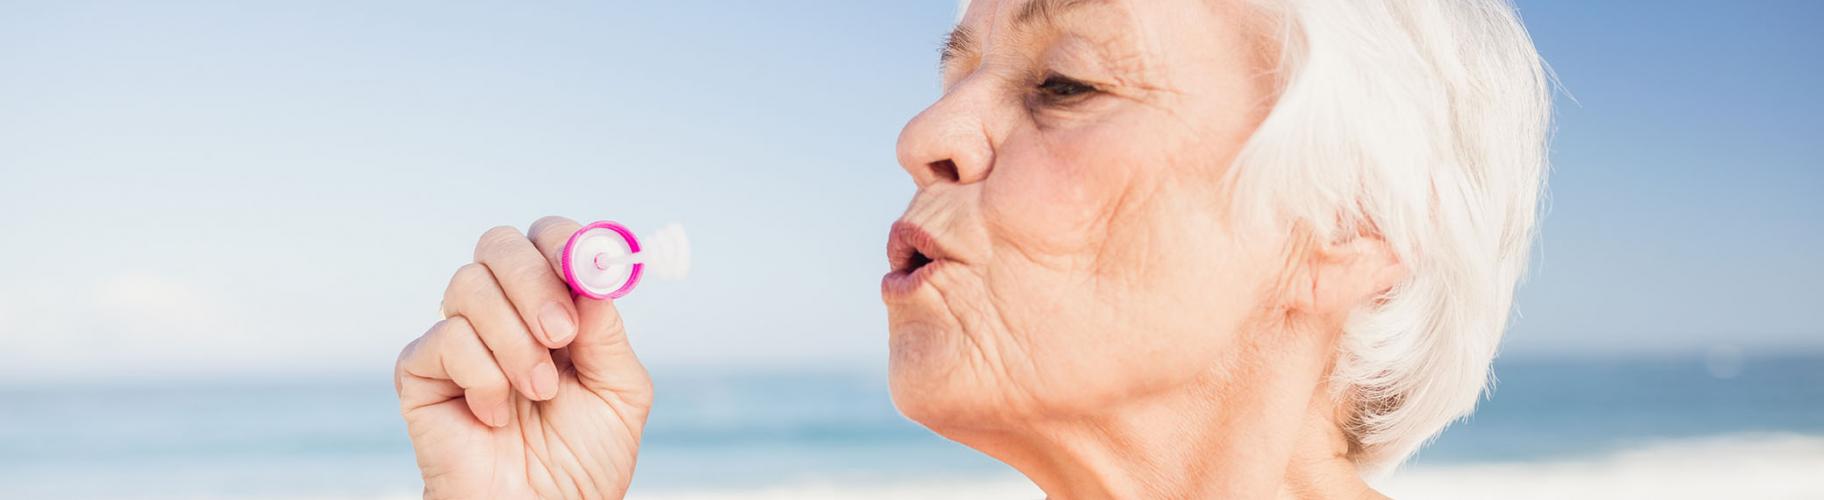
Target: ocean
{"points": [[1729, 426]]}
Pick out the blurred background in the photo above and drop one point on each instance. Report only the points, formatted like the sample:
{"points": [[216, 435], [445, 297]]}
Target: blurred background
{"points": [[220, 221]]}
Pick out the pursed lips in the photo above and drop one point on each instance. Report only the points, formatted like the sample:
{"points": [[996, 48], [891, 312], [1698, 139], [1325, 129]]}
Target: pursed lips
{"points": [[912, 254]]}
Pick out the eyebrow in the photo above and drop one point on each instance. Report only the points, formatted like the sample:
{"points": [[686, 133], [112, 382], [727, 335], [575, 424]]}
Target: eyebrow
{"points": [[961, 40], [1036, 11], [958, 43]]}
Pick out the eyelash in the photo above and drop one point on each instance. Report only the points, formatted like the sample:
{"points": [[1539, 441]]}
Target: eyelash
{"points": [[1058, 89]]}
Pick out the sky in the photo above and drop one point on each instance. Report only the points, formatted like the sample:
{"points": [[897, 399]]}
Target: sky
{"points": [[215, 187]]}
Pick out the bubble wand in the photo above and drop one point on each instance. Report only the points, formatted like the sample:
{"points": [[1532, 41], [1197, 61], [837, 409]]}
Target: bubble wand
{"points": [[604, 260]]}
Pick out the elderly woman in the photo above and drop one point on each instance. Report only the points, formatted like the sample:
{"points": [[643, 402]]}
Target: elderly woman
{"points": [[1159, 249]]}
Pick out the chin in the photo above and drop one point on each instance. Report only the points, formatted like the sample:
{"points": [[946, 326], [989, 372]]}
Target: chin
{"points": [[921, 363], [933, 377]]}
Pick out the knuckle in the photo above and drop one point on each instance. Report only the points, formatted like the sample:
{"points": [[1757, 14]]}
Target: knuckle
{"points": [[508, 344], [405, 355], [437, 339], [427, 344], [454, 328], [530, 272], [550, 233], [399, 364], [519, 353], [548, 223], [613, 329], [469, 279], [493, 383], [495, 240], [412, 348], [614, 324]]}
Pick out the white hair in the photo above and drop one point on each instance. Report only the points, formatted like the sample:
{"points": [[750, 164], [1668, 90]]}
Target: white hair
{"points": [[1424, 121]]}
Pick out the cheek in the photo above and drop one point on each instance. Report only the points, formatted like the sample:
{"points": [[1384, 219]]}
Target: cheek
{"points": [[1151, 277], [1043, 201], [1172, 261], [1051, 195], [1101, 261]]}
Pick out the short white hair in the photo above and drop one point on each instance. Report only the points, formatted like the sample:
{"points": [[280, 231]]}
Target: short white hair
{"points": [[1424, 121]]}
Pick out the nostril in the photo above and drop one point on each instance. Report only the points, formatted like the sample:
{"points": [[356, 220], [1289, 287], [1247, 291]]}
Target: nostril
{"points": [[945, 170]]}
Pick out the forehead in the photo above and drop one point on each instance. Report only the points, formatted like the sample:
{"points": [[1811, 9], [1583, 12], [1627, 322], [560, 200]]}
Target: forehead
{"points": [[1155, 27], [1013, 19], [1021, 13]]}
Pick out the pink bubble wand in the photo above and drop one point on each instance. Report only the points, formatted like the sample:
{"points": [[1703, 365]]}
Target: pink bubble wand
{"points": [[604, 260]]}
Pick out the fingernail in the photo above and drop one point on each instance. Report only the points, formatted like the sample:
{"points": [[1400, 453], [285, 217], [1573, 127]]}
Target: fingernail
{"points": [[502, 413], [557, 323], [544, 381]]}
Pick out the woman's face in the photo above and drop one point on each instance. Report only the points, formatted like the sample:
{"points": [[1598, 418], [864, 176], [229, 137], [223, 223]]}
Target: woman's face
{"points": [[1067, 245]]}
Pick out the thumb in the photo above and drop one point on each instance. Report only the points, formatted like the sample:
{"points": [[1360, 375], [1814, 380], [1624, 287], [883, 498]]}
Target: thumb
{"points": [[604, 361], [600, 353]]}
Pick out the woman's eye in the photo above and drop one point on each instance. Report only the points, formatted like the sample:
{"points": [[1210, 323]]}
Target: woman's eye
{"points": [[1057, 88]]}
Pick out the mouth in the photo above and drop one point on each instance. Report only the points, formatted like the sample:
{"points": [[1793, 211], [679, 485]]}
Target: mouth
{"points": [[912, 253]]}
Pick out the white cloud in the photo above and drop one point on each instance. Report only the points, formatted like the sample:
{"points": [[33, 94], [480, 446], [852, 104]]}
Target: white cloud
{"points": [[147, 308], [127, 323]]}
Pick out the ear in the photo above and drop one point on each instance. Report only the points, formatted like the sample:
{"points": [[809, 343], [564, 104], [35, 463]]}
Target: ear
{"points": [[1351, 274]]}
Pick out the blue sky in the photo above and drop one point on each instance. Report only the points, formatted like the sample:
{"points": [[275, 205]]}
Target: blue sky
{"points": [[214, 187]]}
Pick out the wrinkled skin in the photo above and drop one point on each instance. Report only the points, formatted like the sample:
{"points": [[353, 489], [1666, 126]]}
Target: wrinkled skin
{"points": [[1095, 260], [1093, 315], [501, 405]]}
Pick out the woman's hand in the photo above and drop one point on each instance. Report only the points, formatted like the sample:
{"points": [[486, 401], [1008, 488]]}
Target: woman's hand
{"points": [[523, 391]]}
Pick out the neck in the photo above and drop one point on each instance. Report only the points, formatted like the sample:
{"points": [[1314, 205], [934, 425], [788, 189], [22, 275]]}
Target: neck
{"points": [[1256, 431]]}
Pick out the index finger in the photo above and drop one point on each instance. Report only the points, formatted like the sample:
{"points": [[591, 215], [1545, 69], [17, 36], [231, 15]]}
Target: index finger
{"points": [[549, 235], [540, 296]]}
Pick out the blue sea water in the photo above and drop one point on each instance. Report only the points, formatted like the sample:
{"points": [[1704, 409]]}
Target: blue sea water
{"points": [[737, 430]]}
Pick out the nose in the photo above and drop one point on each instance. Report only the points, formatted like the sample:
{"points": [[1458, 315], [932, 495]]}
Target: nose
{"points": [[949, 141]]}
